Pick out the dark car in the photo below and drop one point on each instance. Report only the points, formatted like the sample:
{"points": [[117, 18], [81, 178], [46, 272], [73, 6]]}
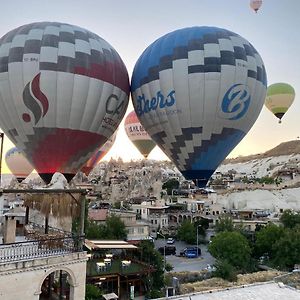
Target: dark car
{"points": [[190, 251], [170, 250]]}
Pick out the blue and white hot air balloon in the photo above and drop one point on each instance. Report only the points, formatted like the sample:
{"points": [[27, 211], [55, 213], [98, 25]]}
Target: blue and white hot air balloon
{"points": [[197, 92]]}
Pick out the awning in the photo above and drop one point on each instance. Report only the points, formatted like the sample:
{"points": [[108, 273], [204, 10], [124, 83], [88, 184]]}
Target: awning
{"points": [[102, 244]]}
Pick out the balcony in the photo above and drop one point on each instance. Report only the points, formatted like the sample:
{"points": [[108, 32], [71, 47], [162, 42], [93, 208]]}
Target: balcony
{"points": [[41, 248]]}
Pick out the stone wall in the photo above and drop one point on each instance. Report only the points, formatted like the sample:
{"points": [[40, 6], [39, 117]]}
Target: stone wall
{"points": [[23, 279]]}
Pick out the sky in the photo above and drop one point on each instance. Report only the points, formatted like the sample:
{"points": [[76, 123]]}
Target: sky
{"points": [[132, 25]]}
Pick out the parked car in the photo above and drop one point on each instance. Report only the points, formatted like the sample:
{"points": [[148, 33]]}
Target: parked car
{"points": [[170, 241], [190, 252], [170, 250]]}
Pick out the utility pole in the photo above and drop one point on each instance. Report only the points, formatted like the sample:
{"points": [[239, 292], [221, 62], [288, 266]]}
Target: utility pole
{"points": [[1, 152]]}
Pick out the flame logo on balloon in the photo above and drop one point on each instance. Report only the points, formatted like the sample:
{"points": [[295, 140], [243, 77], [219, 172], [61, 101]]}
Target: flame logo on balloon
{"points": [[236, 101], [35, 100]]}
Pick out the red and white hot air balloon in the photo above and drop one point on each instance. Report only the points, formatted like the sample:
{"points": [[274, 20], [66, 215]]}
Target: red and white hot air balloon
{"points": [[98, 155], [138, 135], [255, 5], [18, 164], [70, 92]]}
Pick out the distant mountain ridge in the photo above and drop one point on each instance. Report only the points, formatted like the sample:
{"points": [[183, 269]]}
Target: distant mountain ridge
{"points": [[286, 148]]}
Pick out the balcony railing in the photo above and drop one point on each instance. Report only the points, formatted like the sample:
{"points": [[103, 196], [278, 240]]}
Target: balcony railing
{"points": [[41, 248]]}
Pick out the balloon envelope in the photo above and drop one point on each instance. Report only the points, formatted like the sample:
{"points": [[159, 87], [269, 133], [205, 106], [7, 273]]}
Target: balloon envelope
{"points": [[280, 97], [138, 135], [70, 92], [255, 4], [98, 155], [197, 92], [18, 164]]}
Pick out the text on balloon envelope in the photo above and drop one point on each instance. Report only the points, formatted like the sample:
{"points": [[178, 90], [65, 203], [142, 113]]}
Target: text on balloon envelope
{"points": [[159, 101]]}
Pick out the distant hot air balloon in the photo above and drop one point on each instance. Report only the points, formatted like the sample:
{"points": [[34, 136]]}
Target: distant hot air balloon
{"points": [[137, 134], [197, 92], [280, 97], [18, 164], [64, 91], [255, 4], [98, 155]]}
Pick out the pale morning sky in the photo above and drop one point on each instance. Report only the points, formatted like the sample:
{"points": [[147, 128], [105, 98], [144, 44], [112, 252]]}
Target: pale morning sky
{"points": [[131, 25]]}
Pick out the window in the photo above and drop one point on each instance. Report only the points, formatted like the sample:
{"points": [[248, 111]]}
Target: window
{"points": [[130, 230], [155, 222], [141, 230]]}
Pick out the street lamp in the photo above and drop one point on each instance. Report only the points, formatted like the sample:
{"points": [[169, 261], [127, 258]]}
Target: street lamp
{"points": [[197, 239]]}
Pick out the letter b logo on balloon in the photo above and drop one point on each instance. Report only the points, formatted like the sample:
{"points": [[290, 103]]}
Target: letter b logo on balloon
{"points": [[236, 102]]}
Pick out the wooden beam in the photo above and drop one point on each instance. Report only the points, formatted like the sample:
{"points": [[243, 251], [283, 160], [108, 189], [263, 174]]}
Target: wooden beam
{"points": [[43, 191]]}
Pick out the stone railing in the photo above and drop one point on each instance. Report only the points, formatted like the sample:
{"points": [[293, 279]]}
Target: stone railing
{"points": [[40, 248]]}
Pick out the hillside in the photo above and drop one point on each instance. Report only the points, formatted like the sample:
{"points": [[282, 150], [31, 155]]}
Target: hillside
{"points": [[286, 148]]}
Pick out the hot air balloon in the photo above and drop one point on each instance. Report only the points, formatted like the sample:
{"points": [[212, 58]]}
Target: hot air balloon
{"points": [[255, 4], [98, 155], [280, 97], [18, 164], [197, 92], [137, 134], [64, 91]]}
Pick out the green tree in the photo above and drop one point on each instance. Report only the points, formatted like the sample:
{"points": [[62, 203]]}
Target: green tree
{"points": [[187, 232], [287, 249], [233, 247], [225, 270], [94, 231], [154, 281], [202, 225], [266, 239], [92, 292], [115, 228], [170, 185], [290, 219], [224, 224]]}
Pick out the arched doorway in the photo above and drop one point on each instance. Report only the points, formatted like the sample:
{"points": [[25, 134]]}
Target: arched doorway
{"points": [[56, 286]]}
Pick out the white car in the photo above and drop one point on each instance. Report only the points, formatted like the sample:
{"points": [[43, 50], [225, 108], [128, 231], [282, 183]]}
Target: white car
{"points": [[170, 241]]}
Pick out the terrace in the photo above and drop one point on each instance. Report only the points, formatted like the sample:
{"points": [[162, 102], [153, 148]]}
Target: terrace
{"points": [[115, 267]]}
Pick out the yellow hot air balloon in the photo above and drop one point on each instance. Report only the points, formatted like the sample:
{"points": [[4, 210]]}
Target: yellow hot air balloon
{"points": [[280, 97]]}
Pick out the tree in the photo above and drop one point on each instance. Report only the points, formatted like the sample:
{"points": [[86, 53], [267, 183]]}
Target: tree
{"points": [[266, 239], [187, 232], [287, 249], [154, 281], [92, 292], [225, 270], [170, 185], [290, 219], [224, 224], [232, 247], [115, 228]]}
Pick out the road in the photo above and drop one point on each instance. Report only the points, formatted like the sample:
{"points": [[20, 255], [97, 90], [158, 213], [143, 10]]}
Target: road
{"points": [[186, 264]]}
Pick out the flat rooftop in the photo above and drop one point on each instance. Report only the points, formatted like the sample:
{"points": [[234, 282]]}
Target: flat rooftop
{"points": [[261, 291]]}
